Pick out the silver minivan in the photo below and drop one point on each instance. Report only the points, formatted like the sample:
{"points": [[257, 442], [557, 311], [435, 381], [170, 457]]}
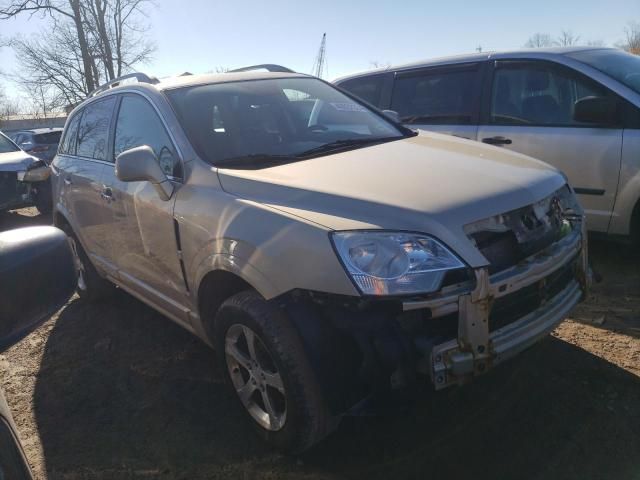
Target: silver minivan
{"points": [[575, 108]]}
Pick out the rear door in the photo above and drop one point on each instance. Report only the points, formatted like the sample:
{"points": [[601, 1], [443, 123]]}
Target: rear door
{"points": [[81, 166], [442, 99], [143, 240], [373, 89], [530, 110]]}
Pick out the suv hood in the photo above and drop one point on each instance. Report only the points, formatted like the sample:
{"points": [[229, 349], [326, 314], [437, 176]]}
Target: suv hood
{"points": [[15, 161], [430, 183]]}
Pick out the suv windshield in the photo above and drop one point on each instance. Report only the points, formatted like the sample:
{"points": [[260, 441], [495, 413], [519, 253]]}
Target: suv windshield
{"points": [[257, 123], [620, 65], [7, 145]]}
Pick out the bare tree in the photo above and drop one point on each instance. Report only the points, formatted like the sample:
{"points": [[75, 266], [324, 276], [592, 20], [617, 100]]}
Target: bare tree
{"points": [[566, 39], [88, 42], [539, 40], [65, 10], [8, 107], [631, 42]]}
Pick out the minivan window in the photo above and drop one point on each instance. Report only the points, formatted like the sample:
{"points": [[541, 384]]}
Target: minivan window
{"points": [[68, 144], [138, 124], [620, 65], [93, 133], [7, 145], [537, 93], [436, 96], [254, 123], [368, 89]]}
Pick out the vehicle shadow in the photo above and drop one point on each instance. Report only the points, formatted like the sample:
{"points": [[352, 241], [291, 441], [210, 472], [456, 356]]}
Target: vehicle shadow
{"points": [[124, 393]]}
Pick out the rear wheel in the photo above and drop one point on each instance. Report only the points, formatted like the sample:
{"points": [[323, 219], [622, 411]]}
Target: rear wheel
{"points": [[268, 369], [91, 286]]}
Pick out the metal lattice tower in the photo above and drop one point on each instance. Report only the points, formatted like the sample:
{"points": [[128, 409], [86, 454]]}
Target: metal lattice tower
{"points": [[320, 65]]}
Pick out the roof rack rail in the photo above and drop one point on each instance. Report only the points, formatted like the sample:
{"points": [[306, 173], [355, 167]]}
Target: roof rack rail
{"points": [[140, 77], [269, 67]]}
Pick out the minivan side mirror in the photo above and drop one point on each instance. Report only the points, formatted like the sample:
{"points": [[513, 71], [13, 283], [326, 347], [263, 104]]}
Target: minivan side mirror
{"points": [[37, 277], [139, 165], [393, 115], [596, 110]]}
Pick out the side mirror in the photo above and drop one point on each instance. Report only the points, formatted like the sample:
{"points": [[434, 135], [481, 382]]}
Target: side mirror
{"points": [[393, 115], [596, 110], [37, 277], [141, 165]]}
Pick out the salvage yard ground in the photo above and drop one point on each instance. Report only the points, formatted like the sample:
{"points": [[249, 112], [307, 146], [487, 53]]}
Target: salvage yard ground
{"points": [[114, 390]]}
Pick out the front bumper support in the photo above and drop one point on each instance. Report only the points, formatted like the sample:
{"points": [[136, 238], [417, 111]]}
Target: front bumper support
{"points": [[476, 349]]}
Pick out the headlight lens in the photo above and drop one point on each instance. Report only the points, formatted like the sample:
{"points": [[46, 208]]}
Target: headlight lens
{"points": [[394, 263]]}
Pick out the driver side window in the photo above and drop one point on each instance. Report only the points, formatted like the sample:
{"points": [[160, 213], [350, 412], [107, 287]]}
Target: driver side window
{"points": [[139, 124], [537, 94]]}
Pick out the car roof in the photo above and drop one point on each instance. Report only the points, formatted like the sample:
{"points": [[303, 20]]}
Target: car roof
{"points": [[212, 78], [477, 57]]}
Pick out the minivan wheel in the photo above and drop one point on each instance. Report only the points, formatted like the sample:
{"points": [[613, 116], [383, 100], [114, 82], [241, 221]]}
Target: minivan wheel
{"points": [[269, 371], [91, 286]]}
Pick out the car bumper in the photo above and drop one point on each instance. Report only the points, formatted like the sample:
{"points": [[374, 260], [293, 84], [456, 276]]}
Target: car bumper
{"points": [[478, 347]]}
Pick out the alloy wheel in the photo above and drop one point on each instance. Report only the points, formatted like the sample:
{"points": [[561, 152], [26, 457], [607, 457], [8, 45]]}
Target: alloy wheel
{"points": [[80, 270], [255, 377]]}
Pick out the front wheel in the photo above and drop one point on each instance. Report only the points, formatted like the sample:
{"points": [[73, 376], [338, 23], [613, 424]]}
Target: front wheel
{"points": [[43, 197], [268, 368]]}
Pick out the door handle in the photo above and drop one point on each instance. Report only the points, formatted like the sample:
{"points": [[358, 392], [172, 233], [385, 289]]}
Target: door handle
{"points": [[107, 193], [497, 141]]}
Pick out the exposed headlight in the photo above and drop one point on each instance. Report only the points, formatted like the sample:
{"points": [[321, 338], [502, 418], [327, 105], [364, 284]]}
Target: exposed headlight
{"points": [[38, 172], [394, 263]]}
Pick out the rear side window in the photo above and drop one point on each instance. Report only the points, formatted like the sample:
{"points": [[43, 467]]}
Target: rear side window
{"points": [[93, 133], [368, 89], [139, 124], [51, 138], [437, 96], [68, 145]]}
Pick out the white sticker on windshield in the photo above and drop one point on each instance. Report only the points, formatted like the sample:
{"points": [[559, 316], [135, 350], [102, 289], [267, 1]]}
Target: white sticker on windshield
{"points": [[348, 107]]}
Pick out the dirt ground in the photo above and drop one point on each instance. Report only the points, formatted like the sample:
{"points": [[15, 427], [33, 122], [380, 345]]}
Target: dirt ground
{"points": [[114, 390]]}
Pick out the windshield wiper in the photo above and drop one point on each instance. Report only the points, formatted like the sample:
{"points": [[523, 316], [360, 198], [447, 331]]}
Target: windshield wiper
{"points": [[344, 144], [254, 160]]}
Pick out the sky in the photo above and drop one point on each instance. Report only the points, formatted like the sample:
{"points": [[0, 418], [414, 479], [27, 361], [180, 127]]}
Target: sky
{"points": [[201, 35]]}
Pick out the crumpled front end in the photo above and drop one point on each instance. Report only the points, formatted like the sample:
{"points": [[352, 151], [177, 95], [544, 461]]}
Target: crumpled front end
{"points": [[538, 272], [20, 181]]}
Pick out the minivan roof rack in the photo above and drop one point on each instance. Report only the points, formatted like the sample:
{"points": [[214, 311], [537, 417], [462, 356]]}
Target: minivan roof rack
{"points": [[140, 77], [269, 67]]}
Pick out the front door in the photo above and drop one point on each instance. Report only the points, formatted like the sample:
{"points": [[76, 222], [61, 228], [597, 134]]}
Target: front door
{"points": [[531, 111], [143, 240]]}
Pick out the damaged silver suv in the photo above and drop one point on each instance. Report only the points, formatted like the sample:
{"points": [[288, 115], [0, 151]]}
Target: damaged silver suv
{"points": [[326, 252], [24, 179]]}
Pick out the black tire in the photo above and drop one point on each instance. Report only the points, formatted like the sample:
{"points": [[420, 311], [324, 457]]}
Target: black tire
{"points": [[307, 420], [43, 198], [91, 286]]}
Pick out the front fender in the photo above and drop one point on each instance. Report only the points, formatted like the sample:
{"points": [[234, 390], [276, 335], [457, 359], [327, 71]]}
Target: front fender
{"points": [[238, 266]]}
